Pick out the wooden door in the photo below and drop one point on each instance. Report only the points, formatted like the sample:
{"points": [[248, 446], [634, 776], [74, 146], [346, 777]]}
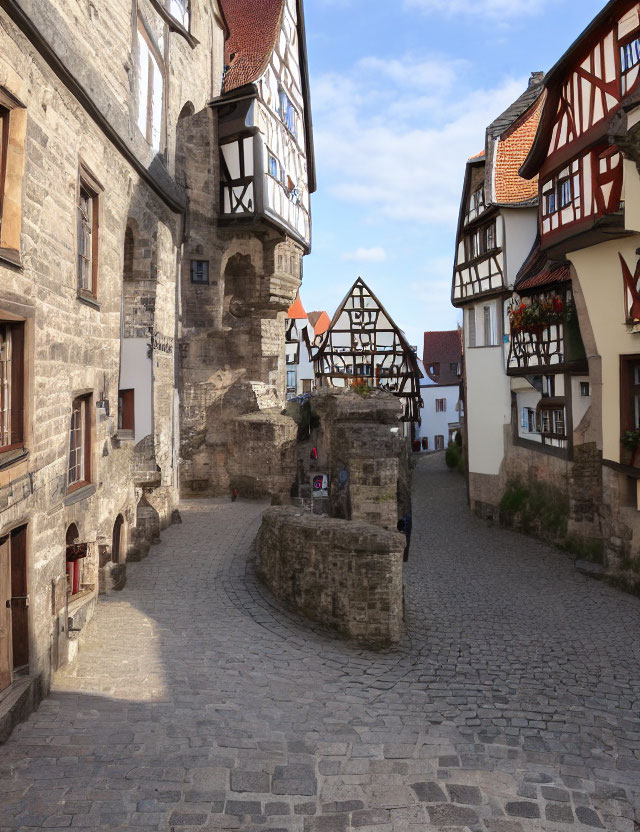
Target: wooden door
{"points": [[6, 649], [19, 597]]}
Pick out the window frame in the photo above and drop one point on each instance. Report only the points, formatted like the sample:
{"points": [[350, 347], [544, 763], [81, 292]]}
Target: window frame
{"points": [[565, 181], [153, 55], [12, 166], [82, 404], [193, 269], [15, 385], [291, 374], [126, 410], [441, 405], [88, 183], [5, 115]]}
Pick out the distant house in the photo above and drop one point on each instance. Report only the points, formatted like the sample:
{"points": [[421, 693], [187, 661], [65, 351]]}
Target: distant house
{"points": [[364, 347], [440, 389], [299, 369]]}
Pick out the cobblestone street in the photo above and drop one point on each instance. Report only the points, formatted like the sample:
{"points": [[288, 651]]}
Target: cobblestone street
{"points": [[197, 702]]}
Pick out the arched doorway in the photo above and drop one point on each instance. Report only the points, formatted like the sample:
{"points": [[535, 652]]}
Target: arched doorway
{"points": [[117, 542]]}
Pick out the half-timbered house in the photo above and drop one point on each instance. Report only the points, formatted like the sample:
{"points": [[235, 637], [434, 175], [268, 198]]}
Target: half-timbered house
{"points": [[363, 347], [496, 230], [586, 156]]}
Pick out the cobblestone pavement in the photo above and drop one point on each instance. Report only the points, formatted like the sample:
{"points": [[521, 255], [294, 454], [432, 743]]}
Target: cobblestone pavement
{"points": [[198, 703]]}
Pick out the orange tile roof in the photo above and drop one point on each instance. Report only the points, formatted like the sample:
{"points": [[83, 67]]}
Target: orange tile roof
{"points": [[513, 149], [254, 26], [477, 156], [320, 322], [296, 310]]}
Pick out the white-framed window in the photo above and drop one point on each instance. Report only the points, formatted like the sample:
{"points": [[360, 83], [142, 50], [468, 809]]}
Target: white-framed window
{"points": [[288, 113], [529, 421], [441, 405], [151, 88], [291, 379]]}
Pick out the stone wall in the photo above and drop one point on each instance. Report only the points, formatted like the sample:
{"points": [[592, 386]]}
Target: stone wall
{"points": [[90, 116], [343, 574], [360, 444]]}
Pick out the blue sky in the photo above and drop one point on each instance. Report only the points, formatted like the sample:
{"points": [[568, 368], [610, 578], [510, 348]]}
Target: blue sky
{"points": [[401, 94]]}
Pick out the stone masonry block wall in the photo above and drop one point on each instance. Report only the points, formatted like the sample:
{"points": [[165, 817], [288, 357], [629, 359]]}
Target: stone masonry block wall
{"points": [[343, 574]]}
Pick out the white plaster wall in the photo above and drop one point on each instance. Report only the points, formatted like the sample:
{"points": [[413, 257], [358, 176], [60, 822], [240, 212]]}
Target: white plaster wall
{"points": [[136, 374], [521, 227], [437, 424], [600, 276], [488, 408]]}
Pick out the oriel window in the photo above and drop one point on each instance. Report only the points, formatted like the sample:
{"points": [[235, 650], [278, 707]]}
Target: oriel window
{"points": [[11, 385], [79, 471]]}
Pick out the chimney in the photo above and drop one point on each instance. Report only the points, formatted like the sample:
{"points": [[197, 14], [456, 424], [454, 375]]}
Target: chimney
{"points": [[536, 78]]}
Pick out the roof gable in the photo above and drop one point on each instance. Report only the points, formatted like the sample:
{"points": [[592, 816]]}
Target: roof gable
{"points": [[296, 310]]}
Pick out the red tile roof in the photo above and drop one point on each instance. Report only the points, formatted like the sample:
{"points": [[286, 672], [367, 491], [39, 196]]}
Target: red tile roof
{"points": [[320, 322], [441, 349], [538, 271], [513, 148], [477, 157], [254, 26], [296, 310]]}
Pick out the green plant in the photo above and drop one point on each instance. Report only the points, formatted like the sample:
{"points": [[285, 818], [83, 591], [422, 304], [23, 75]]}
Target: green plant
{"points": [[536, 509], [589, 549], [361, 387], [630, 439], [452, 455]]}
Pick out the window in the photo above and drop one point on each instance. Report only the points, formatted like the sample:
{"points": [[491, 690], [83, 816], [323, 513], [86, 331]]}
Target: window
{"points": [[630, 55], [585, 388], [550, 205], [529, 421], [306, 385], [151, 88], [471, 327], [553, 421], [4, 145], [564, 190], [126, 410], [200, 271], [274, 167], [441, 405], [288, 113], [80, 443], [179, 9], [549, 386], [488, 331], [13, 122], [291, 379], [11, 385], [453, 368], [87, 238], [630, 393], [439, 443], [490, 237]]}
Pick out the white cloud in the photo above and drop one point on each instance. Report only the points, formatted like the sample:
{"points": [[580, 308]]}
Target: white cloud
{"points": [[398, 149], [479, 8], [366, 255]]}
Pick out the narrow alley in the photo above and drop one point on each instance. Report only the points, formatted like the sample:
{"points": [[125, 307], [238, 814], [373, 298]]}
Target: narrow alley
{"points": [[198, 702]]}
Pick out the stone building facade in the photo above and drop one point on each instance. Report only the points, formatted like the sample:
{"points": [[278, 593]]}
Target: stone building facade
{"points": [[109, 219]]}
